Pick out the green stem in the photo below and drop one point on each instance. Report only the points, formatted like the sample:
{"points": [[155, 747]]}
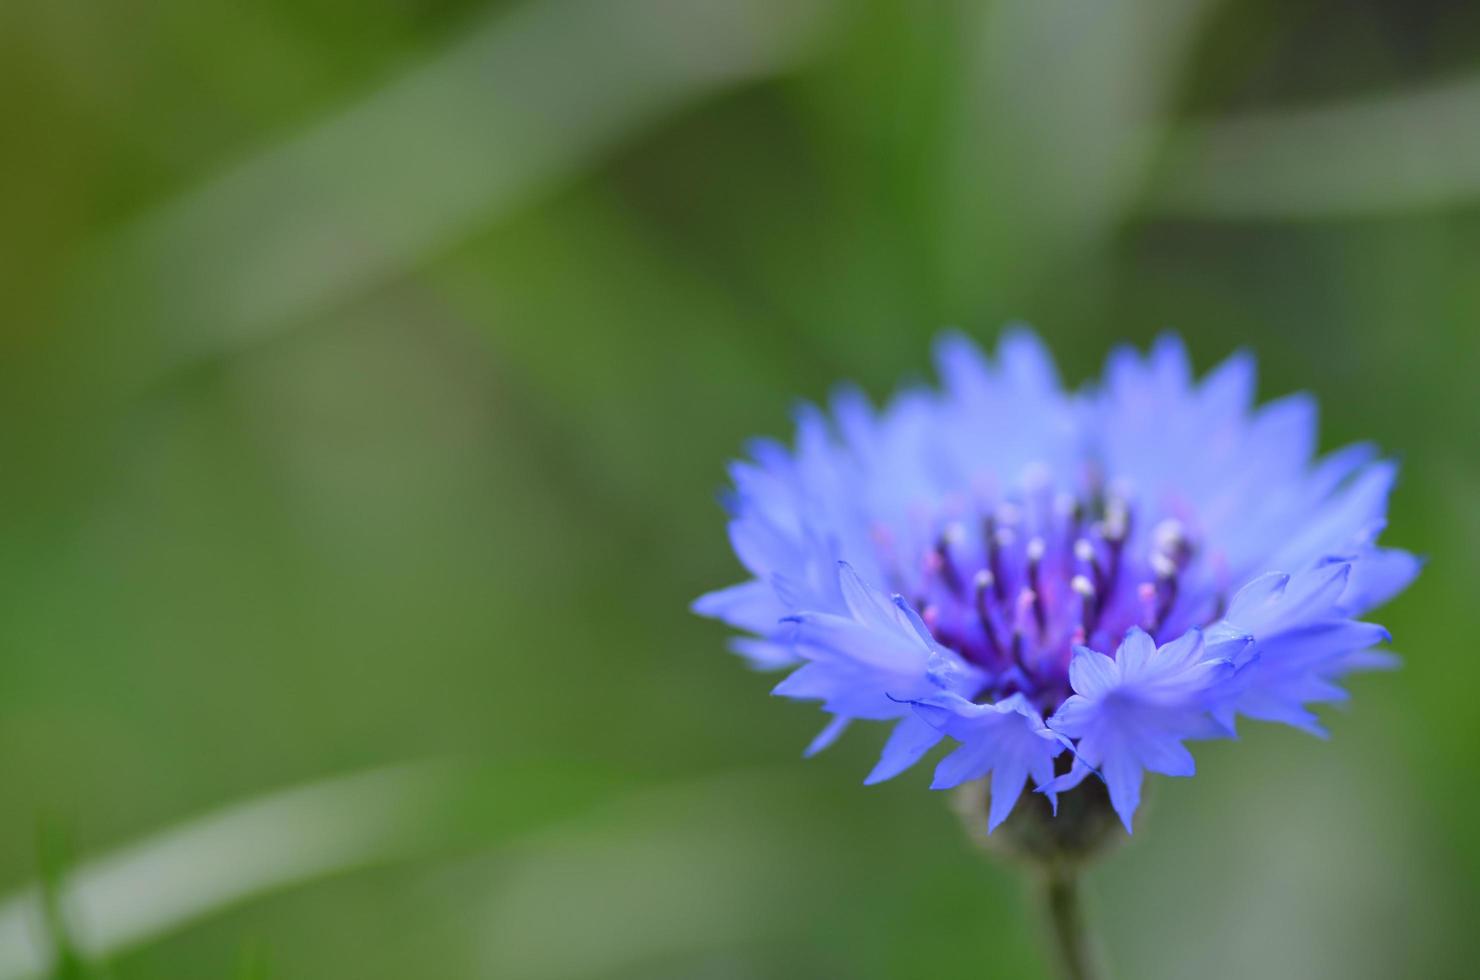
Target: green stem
{"points": [[1073, 946]]}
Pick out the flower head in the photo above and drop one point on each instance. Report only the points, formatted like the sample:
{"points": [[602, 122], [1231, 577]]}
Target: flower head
{"points": [[1139, 563]]}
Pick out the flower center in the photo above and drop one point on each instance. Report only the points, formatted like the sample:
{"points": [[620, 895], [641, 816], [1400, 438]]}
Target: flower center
{"points": [[1014, 589]]}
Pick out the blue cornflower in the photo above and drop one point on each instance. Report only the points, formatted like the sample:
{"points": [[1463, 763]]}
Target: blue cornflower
{"points": [[1064, 583]]}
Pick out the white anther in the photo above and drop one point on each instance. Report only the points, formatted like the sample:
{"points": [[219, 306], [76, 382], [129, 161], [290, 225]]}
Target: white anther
{"points": [[1169, 535], [1035, 550]]}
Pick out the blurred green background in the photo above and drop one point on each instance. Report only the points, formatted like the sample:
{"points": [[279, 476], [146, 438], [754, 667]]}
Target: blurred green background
{"points": [[366, 377]]}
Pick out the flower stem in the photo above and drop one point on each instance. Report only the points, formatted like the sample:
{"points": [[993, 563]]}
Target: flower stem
{"points": [[1073, 947]]}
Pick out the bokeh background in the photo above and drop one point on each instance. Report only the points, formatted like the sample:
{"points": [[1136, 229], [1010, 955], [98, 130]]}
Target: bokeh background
{"points": [[366, 377]]}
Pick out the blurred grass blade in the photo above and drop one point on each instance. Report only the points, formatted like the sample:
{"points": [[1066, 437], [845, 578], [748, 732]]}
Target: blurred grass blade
{"points": [[187, 872], [526, 100], [661, 876], [254, 964], [1062, 105], [66, 961], [1392, 152]]}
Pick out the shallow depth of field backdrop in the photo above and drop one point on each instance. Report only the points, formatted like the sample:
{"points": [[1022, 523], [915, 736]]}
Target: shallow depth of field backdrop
{"points": [[367, 373]]}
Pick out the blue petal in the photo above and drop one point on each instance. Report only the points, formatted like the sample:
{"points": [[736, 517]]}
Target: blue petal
{"points": [[827, 736], [1171, 369], [1092, 673], [1134, 655], [1006, 740], [910, 740], [1123, 777], [1377, 575], [1228, 390], [869, 606], [1026, 364], [962, 366], [751, 606], [1008, 780], [764, 655]]}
